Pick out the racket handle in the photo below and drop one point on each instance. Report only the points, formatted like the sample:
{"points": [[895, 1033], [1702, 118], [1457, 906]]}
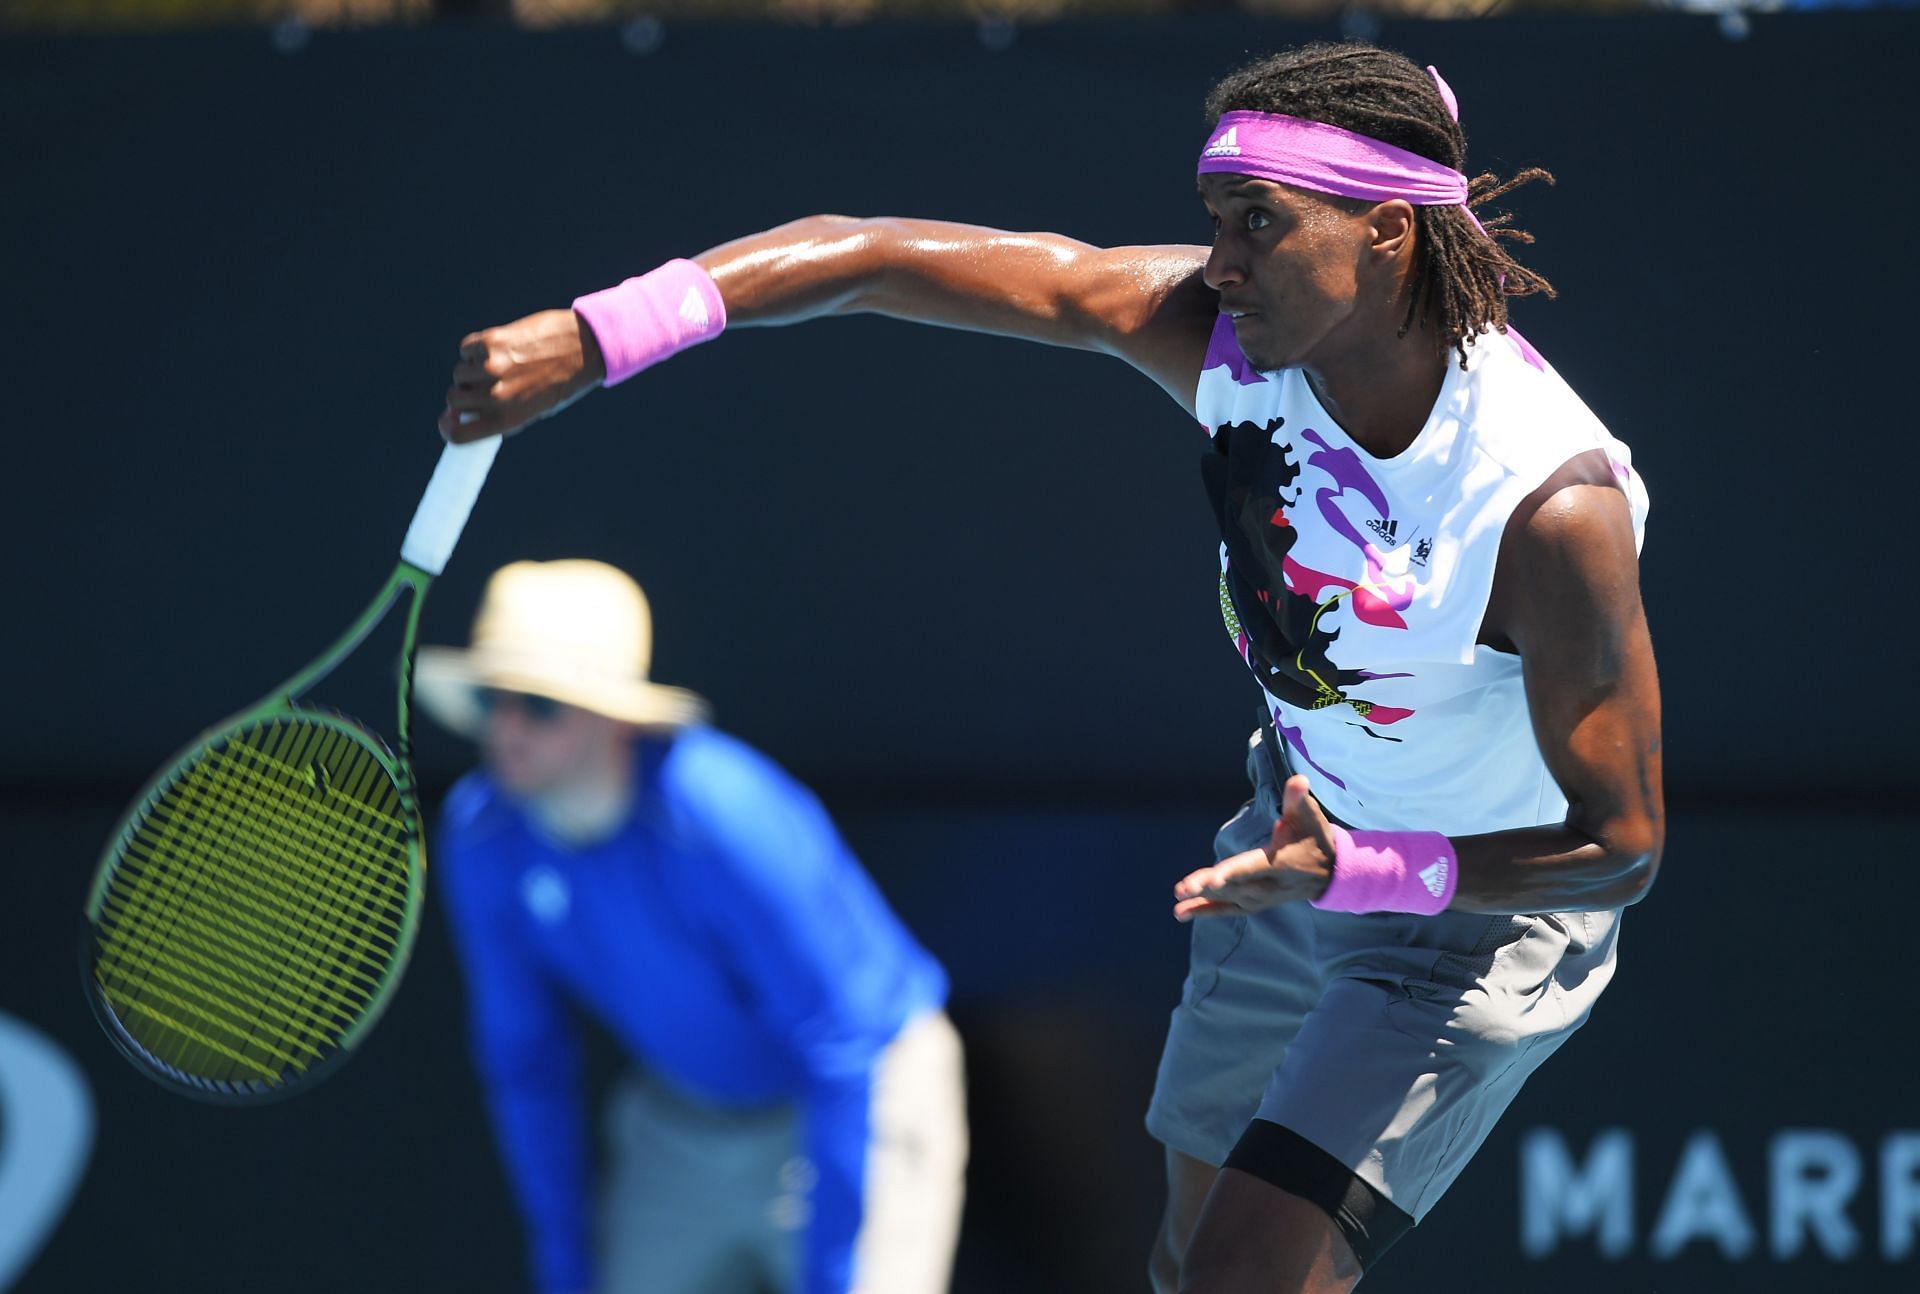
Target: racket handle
{"points": [[444, 508]]}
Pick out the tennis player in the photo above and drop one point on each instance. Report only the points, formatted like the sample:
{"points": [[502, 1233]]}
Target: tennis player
{"points": [[1429, 560], [796, 1121]]}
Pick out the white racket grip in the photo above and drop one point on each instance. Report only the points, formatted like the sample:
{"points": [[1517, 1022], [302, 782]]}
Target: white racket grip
{"points": [[444, 508]]}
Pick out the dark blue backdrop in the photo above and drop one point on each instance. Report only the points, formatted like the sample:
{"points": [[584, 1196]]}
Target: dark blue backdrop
{"points": [[963, 587]]}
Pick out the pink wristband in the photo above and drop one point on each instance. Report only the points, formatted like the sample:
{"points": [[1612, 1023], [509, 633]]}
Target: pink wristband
{"points": [[1390, 871], [646, 319]]}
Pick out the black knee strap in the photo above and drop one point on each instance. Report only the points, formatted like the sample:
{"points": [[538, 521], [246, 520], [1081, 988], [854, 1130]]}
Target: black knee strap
{"points": [[1283, 1158]]}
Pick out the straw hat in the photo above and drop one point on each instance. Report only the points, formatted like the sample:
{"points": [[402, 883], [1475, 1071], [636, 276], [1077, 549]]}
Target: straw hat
{"points": [[577, 631]]}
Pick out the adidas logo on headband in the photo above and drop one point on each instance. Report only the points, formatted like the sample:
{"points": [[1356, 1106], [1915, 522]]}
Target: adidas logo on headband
{"points": [[1228, 145]]}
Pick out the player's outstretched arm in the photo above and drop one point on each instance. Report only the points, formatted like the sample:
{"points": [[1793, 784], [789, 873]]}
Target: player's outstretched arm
{"points": [[1145, 305]]}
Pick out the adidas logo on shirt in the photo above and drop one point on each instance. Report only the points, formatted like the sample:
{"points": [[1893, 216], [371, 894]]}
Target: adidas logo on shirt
{"points": [[1389, 531], [1434, 877], [1228, 145], [694, 310]]}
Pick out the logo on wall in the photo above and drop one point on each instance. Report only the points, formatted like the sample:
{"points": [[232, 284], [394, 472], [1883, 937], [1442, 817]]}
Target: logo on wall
{"points": [[1814, 1202], [46, 1133]]}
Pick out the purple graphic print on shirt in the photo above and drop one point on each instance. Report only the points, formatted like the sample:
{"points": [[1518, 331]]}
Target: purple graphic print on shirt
{"points": [[1284, 615], [1223, 349]]}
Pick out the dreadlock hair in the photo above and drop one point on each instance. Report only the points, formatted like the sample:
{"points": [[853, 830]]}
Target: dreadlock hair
{"points": [[1461, 279]]}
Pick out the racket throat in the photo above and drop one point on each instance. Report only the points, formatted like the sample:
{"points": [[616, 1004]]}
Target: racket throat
{"points": [[406, 581]]}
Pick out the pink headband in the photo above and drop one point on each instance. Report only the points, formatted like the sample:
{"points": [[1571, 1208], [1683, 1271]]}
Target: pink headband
{"points": [[1327, 159]]}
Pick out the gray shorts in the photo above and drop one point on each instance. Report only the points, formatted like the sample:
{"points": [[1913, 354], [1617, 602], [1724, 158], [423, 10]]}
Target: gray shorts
{"points": [[703, 1200], [1392, 1042]]}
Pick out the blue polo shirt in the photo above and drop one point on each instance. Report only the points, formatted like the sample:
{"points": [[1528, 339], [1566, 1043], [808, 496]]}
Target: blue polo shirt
{"points": [[726, 935]]}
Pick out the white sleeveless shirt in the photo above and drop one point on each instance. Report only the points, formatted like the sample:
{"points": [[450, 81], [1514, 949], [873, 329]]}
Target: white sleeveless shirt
{"points": [[1354, 587]]}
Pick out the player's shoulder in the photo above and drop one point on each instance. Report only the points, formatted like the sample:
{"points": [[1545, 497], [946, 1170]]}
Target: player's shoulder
{"points": [[704, 767], [1561, 527], [475, 810], [1523, 415]]}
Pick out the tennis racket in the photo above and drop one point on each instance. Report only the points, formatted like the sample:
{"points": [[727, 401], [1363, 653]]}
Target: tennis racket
{"points": [[254, 908]]}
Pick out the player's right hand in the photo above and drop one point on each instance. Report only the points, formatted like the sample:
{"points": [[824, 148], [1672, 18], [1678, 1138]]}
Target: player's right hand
{"points": [[517, 373], [1296, 863]]}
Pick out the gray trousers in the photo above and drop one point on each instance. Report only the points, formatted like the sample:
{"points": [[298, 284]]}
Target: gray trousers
{"points": [[703, 1200]]}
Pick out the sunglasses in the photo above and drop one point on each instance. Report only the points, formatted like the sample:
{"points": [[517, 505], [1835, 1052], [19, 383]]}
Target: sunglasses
{"points": [[540, 709]]}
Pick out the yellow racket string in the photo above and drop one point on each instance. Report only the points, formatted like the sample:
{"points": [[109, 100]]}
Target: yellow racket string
{"points": [[286, 848], [169, 901], [244, 945], [257, 903], [162, 894], [284, 962], [258, 813], [271, 811]]}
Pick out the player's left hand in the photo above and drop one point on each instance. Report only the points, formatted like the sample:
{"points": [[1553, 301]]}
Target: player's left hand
{"points": [[1296, 863]]}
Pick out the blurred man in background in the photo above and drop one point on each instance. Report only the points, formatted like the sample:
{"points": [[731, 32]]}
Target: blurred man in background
{"points": [[796, 1121]]}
